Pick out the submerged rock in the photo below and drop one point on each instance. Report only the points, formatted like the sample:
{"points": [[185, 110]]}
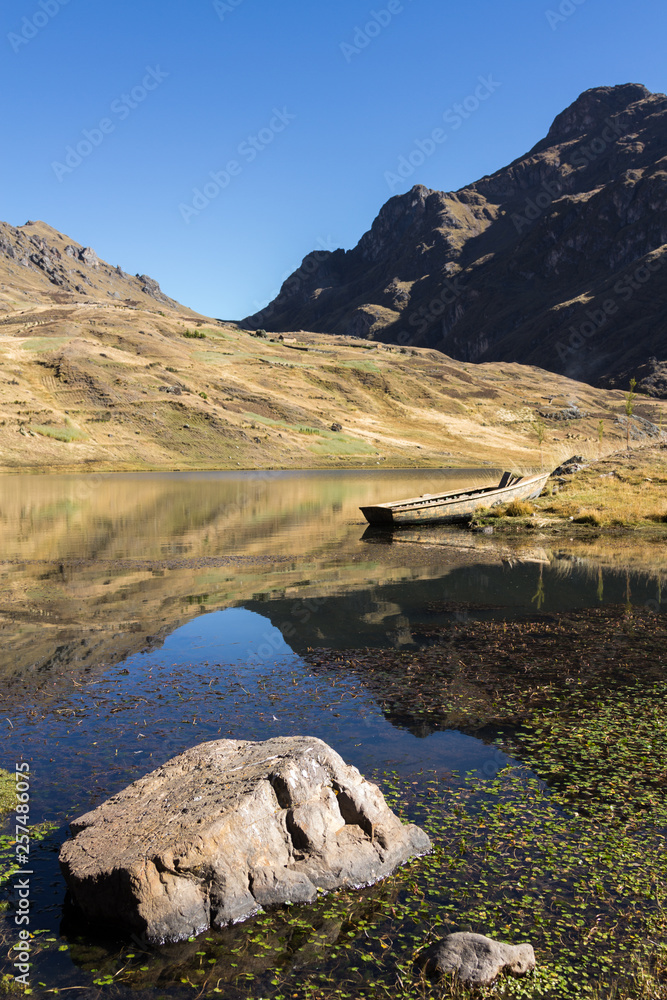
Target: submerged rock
{"points": [[477, 959], [229, 827]]}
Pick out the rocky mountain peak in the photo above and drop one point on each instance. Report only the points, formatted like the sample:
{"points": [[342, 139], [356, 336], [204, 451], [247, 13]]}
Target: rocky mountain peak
{"points": [[518, 266], [592, 108], [43, 262], [395, 218]]}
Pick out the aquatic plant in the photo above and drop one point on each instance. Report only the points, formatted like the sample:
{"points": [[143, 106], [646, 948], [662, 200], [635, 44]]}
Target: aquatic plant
{"points": [[7, 792]]}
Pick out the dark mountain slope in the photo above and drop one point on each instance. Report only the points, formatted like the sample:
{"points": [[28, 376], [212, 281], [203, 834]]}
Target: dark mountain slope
{"points": [[557, 260]]}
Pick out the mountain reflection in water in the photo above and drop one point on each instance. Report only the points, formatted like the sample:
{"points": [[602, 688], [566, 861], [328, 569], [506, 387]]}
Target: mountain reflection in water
{"points": [[141, 615], [97, 568]]}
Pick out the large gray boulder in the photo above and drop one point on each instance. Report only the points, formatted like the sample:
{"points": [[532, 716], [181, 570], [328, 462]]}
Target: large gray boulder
{"points": [[476, 959], [227, 828]]}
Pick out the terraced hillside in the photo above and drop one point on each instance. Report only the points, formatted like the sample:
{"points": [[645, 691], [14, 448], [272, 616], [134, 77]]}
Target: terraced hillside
{"points": [[113, 377]]}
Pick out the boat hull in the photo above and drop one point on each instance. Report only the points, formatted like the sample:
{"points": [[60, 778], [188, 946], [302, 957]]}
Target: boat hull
{"points": [[450, 508]]}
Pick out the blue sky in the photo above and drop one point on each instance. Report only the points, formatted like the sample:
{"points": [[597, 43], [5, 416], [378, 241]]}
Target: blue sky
{"points": [[300, 111]]}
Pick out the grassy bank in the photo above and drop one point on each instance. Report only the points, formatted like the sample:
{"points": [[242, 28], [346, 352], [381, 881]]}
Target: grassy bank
{"points": [[624, 490]]}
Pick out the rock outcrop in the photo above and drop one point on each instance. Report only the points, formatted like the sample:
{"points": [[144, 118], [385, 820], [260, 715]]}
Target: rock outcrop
{"points": [[57, 267], [557, 260], [227, 828], [476, 959]]}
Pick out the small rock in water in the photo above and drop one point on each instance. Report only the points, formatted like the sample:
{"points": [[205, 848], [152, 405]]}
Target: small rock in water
{"points": [[229, 827], [476, 959]]}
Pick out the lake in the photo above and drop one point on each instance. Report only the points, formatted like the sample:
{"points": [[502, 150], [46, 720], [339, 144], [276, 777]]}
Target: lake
{"points": [[144, 613]]}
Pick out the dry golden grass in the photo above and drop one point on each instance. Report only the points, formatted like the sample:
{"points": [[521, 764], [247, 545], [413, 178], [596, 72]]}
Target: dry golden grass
{"points": [[588, 517], [519, 508], [625, 489], [90, 385]]}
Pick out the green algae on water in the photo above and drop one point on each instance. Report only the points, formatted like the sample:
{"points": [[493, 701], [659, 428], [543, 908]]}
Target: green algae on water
{"points": [[7, 793]]}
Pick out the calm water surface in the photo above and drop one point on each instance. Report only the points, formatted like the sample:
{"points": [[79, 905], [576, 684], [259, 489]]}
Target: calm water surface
{"points": [[142, 614]]}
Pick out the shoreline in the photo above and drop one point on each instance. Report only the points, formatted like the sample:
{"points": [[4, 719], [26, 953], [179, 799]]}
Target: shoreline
{"points": [[616, 494], [622, 492]]}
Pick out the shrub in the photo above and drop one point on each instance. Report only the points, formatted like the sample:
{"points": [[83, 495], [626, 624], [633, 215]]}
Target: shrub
{"points": [[587, 517], [67, 433], [519, 508]]}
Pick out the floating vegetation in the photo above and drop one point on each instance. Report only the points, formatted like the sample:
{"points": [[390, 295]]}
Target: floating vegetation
{"points": [[8, 860], [472, 673], [511, 860], [7, 792], [565, 849]]}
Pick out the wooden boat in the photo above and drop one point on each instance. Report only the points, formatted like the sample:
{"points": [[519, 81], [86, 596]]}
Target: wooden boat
{"points": [[457, 505]]}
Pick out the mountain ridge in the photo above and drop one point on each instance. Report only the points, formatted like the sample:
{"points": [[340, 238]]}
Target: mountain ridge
{"points": [[518, 265], [113, 375], [49, 266]]}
